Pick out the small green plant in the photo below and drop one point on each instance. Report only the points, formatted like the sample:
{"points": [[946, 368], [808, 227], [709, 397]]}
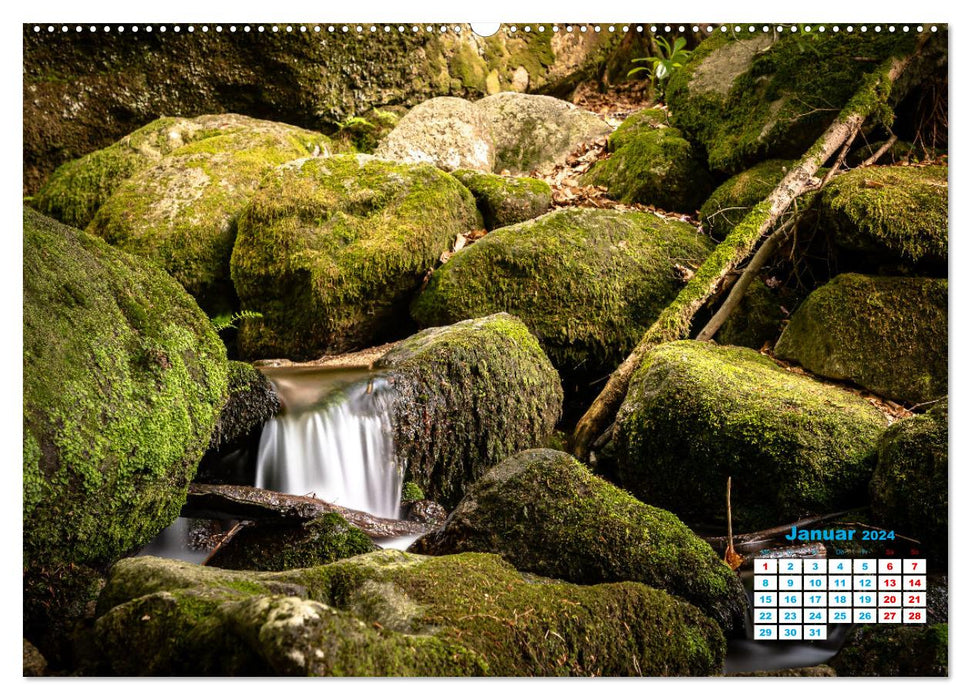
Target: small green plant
{"points": [[354, 124], [224, 322], [673, 57]]}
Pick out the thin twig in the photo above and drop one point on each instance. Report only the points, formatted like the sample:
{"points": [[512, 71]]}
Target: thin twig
{"points": [[880, 151]]}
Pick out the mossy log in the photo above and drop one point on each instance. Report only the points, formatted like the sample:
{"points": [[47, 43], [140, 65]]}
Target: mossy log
{"points": [[675, 321]]}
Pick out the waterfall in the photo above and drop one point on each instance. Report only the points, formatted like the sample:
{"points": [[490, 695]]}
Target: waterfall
{"points": [[332, 440]]}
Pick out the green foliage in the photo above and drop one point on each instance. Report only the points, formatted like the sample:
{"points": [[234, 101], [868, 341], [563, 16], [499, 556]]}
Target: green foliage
{"points": [[411, 491], [673, 57], [226, 321]]}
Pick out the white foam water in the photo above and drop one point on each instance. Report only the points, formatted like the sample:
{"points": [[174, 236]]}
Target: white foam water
{"points": [[332, 441]]}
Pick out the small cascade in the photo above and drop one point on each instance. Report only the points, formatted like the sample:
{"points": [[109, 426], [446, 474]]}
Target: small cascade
{"points": [[332, 440]]}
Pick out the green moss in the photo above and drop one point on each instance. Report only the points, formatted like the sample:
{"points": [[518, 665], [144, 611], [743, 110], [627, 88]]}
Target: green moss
{"points": [[181, 213], [278, 547], [651, 163], [391, 613], [546, 513], [745, 101], [887, 334], [733, 199], [123, 379], [78, 188], [410, 491], [894, 650], [892, 211], [697, 413], [909, 489], [330, 249], [586, 282], [466, 397], [506, 200]]}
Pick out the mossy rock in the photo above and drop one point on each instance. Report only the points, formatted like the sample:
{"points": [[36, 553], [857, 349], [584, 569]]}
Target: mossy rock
{"points": [[887, 334], [78, 188], [182, 212], [330, 251], [750, 99], [447, 132], [393, 614], [733, 199], [410, 492], [546, 513], [893, 650], [587, 282], [756, 320], [276, 547], [908, 492], [252, 401], [535, 132], [894, 212], [698, 413], [651, 163], [467, 396], [124, 378], [506, 200]]}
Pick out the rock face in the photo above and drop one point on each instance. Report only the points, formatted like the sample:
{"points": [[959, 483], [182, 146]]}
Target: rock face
{"points": [[586, 282], [534, 132], [733, 199], [887, 334], [466, 397], [651, 163], [124, 378], [447, 132], [909, 487], [278, 547], [893, 650], [393, 614], [896, 213], [749, 99], [251, 402], [506, 200], [546, 513], [82, 91], [697, 413], [331, 249], [78, 188], [182, 212], [757, 320]]}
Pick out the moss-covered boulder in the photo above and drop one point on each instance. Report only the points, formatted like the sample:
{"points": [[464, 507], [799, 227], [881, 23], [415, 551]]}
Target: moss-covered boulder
{"points": [[546, 513], [330, 251], [182, 212], [466, 397], [535, 132], [506, 200], [651, 163], [909, 490], [893, 650], [281, 546], [124, 378], [887, 334], [393, 614], [733, 199], [698, 413], [757, 319], [78, 188], [447, 132], [748, 97], [893, 212], [587, 282]]}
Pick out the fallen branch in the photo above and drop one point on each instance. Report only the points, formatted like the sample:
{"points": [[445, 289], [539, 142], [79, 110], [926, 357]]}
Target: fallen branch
{"points": [[880, 151], [675, 321], [251, 503]]}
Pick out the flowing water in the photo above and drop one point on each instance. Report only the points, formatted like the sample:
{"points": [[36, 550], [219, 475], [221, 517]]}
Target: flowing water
{"points": [[332, 440]]}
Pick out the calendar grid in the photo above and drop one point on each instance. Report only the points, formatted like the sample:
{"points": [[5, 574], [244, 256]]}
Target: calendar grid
{"points": [[795, 599]]}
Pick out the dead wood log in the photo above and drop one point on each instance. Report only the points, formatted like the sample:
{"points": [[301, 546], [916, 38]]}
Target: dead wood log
{"points": [[251, 503], [675, 321]]}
